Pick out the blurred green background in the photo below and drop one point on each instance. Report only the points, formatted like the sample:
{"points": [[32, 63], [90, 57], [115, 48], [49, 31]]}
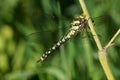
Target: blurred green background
{"points": [[76, 60]]}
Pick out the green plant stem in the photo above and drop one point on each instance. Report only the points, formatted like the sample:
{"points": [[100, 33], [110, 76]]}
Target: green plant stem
{"points": [[101, 51], [91, 25], [113, 38]]}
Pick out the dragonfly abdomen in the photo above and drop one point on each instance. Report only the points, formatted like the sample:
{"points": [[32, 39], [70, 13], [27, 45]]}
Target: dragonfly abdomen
{"points": [[57, 45]]}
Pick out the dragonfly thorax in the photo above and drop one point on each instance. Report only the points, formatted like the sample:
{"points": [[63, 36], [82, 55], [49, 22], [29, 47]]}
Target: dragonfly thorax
{"points": [[78, 23]]}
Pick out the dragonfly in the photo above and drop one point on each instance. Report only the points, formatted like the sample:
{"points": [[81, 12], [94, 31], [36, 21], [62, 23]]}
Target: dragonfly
{"points": [[78, 24]]}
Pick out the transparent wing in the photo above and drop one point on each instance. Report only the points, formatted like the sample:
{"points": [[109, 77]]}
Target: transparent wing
{"points": [[47, 39], [105, 27], [48, 36]]}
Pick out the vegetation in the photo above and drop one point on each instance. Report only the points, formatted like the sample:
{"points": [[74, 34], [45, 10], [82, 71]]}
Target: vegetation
{"points": [[48, 19]]}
